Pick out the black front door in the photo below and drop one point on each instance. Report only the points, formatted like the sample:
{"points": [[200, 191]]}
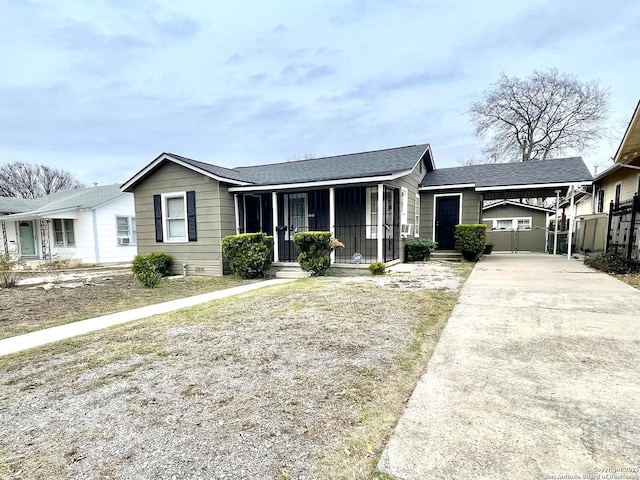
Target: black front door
{"points": [[447, 217]]}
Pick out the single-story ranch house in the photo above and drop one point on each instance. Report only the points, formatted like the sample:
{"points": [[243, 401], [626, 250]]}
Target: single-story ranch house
{"points": [[83, 225], [374, 202]]}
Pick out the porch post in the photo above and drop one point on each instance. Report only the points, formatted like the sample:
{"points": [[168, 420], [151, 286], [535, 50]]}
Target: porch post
{"points": [[332, 219], [274, 207], [555, 226], [380, 221], [237, 212], [571, 220], [5, 241]]}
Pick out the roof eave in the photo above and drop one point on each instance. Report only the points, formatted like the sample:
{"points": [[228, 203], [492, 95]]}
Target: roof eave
{"points": [[534, 185], [446, 187], [320, 183]]}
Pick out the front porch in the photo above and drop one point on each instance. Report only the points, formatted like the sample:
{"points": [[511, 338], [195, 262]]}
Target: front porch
{"points": [[365, 219]]}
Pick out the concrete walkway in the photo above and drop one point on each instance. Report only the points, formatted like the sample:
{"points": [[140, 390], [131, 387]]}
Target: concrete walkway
{"points": [[54, 334], [536, 376]]}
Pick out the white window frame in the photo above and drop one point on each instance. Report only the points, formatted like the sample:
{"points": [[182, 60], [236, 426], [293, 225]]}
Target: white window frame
{"points": [[65, 236], [372, 228], [416, 225], [165, 219], [131, 231], [404, 205], [514, 223]]}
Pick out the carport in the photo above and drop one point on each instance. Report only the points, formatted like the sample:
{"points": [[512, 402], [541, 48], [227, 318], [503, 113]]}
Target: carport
{"points": [[456, 195]]}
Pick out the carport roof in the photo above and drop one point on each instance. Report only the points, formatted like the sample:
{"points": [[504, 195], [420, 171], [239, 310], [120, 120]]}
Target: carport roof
{"points": [[512, 180]]}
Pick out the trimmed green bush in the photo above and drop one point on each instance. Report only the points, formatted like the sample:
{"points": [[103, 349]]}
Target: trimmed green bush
{"points": [[250, 254], [315, 250], [610, 263], [470, 240], [149, 268], [377, 268], [420, 249]]}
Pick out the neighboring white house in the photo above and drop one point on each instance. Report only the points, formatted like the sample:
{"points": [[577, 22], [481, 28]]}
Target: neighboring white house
{"points": [[87, 225]]}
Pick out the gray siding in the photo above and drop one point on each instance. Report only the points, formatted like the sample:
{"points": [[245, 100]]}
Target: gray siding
{"points": [[533, 240], [215, 218], [471, 208], [538, 218]]}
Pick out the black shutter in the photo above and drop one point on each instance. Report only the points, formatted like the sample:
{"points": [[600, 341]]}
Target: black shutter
{"points": [[157, 213], [191, 216]]}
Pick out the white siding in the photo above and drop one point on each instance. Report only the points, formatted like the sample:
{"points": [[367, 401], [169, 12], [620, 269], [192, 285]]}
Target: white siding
{"points": [[109, 250], [104, 247]]}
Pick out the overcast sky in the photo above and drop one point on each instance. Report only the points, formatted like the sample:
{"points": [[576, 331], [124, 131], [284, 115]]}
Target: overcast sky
{"points": [[101, 88]]}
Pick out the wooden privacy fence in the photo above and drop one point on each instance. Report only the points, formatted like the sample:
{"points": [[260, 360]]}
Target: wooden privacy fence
{"points": [[624, 223]]}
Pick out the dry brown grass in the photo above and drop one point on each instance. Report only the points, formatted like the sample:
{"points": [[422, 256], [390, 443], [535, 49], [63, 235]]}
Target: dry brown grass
{"points": [[26, 309], [305, 379]]}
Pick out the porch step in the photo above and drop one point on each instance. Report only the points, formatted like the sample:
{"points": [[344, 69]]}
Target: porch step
{"points": [[447, 255], [288, 272]]}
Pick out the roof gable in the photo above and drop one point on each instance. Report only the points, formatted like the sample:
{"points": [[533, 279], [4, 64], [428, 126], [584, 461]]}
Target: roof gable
{"points": [[629, 147], [511, 203]]}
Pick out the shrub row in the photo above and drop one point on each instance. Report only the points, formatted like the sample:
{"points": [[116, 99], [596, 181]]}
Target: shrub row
{"points": [[610, 263]]}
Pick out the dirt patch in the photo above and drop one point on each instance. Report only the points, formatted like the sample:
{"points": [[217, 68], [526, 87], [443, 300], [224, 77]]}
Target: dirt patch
{"points": [[304, 380], [54, 300]]}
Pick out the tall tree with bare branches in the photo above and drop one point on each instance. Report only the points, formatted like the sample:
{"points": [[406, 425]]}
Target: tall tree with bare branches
{"points": [[27, 180], [544, 115]]}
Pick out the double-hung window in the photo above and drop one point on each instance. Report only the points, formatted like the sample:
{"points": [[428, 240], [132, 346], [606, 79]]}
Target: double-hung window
{"points": [[63, 232], [126, 230], [175, 217]]}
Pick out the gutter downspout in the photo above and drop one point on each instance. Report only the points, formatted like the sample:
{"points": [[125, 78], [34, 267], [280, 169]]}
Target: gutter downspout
{"points": [[96, 243]]}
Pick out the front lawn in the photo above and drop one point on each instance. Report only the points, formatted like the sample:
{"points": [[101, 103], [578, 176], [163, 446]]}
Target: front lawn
{"points": [[306, 379], [28, 308]]}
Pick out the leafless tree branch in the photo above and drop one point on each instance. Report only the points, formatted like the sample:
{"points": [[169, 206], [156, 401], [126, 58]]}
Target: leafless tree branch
{"points": [[546, 114], [26, 180]]}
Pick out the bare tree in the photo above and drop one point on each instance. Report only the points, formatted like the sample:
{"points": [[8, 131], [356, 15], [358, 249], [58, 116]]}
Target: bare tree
{"points": [[303, 156], [547, 113], [27, 180]]}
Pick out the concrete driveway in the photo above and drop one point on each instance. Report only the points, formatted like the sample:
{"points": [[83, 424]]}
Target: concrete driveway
{"points": [[536, 376]]}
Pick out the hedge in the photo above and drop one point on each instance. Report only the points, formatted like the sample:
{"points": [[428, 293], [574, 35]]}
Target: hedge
{"points": [[250, 254]]}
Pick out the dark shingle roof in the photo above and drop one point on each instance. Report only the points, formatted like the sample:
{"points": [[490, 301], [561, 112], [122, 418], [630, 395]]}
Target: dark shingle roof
{"points": [[355, 165], [232, 174], [559, 170]]}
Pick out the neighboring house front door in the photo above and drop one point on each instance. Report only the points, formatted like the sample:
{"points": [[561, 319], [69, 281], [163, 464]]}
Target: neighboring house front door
{"points": [[446, 218], [27, 239]]}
